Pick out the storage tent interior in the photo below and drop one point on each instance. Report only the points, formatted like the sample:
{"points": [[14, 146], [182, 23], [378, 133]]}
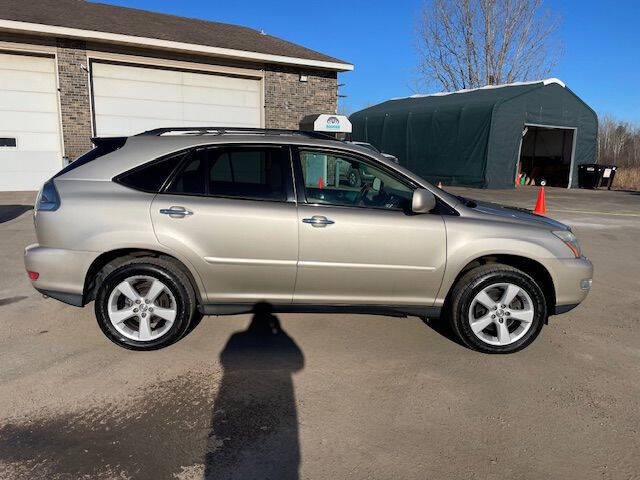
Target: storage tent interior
{"points": [[487, 136]]}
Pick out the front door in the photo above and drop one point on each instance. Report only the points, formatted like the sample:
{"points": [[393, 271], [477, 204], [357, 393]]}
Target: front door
{"points": [[231, 211], [359, 242]]}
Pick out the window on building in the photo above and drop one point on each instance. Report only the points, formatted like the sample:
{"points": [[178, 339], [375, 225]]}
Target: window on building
{"points": [[8, 142]]}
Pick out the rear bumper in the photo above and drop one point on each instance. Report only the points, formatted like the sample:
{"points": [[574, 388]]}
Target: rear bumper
{"points": [[560, 309], [75, 299], [570, 277], [61, 272]]}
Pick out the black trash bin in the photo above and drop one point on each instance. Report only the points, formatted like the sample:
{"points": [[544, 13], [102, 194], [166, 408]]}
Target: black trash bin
{"points": [[607, 172], [593, 175], [588, 175]]}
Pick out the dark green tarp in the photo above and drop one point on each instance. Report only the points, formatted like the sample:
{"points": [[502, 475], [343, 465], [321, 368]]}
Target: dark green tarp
{"points": [[473, 137]]}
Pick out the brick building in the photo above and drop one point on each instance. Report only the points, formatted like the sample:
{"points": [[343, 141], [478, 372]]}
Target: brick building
{"points": [[72, 69]]}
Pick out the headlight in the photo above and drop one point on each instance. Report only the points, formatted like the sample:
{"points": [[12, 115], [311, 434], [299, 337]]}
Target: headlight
{"points": [[570, 240]]}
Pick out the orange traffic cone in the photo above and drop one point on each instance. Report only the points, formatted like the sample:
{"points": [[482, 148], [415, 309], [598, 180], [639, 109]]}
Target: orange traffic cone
{"points": [[320, 184], [439, 184], [541, 205]]}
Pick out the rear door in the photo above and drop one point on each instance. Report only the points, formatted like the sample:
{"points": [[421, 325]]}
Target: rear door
{"points": [[232, 211], [359, 242]]}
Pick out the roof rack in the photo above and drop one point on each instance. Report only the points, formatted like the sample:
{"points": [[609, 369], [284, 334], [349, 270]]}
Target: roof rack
{"points": [[232, 130]]}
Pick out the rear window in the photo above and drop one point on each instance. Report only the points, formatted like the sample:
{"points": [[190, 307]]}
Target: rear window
{"points": [[103, 147], [191, 179], [252, 173], [151, 176]]}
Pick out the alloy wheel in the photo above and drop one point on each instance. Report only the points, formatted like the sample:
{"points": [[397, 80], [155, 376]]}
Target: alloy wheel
{"points": [[501, 314], [142, 308]]}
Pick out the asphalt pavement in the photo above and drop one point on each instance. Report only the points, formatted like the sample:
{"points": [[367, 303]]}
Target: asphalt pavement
{"points": [[320, 396]]}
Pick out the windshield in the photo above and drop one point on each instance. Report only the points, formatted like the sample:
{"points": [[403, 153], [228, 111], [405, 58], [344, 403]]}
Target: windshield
{"points": [[366, 145]]}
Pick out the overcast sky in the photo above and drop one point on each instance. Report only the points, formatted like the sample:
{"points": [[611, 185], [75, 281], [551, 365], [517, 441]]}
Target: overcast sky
{"points": [[601, 40]]}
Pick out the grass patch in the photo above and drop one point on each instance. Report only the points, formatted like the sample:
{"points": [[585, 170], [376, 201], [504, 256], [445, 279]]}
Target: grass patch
{"points": [[627, 178]]}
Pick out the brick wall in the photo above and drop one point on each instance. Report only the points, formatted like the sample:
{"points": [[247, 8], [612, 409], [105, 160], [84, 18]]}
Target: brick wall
{"points": [[74, 97], [287, 99]]}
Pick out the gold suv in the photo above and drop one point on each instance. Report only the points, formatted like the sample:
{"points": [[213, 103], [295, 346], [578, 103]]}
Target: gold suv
{"points": [[163, 227]]}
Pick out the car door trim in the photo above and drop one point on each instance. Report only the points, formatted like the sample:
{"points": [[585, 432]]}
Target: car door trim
{"points": [[373, 266], [250, 261]]}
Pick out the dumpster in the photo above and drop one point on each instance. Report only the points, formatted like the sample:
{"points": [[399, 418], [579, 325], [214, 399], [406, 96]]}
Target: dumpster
{"points": [[593, 175], [588, 175], [607, 173]]}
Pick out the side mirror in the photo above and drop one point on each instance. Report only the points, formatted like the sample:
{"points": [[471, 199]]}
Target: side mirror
{"points": [[423, 201]]}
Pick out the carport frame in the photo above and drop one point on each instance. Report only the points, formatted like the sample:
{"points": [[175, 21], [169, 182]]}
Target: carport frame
{"points": [[557, 127]]}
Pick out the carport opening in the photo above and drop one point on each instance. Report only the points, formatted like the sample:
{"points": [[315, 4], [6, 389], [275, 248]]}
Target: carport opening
{"points": [[546, 155]]}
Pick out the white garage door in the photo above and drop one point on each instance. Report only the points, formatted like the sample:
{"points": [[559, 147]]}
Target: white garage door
{"points": [[130, 99], [30, 146]]}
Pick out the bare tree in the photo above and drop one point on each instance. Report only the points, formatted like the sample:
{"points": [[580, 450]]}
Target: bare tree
{"points": [[618, 142], [473, 43]]}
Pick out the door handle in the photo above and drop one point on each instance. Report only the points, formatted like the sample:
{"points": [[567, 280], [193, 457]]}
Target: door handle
{"points": [[176, 212], [318, 221]]}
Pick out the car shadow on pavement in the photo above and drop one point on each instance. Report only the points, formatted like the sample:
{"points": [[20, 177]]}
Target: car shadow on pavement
{"points": [[254, 424], [9, 212], [443, 327]]}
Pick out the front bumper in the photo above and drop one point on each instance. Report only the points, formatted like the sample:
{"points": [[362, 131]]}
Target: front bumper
{"points": [[61, 272], [569, 278]]}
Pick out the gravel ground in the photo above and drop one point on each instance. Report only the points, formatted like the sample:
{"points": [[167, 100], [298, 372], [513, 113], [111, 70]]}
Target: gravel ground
{"points": [[329, 396]]}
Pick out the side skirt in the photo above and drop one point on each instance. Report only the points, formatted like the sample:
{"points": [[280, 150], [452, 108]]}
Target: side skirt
{"points": [[386, 310]]}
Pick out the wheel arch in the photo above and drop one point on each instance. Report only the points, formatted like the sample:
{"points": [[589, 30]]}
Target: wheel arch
{"points": [[115, 257], [531, 267]]}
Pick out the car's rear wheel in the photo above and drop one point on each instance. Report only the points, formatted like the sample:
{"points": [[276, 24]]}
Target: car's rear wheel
{"points": [[497, 309], [145, 304]]}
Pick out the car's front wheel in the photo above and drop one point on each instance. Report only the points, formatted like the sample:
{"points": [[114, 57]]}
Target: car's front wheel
{"points": [[145, 304], [497, 309]]}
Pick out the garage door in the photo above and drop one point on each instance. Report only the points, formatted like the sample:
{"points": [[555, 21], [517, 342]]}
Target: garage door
{"points": [[30, 146], [130, 99]]}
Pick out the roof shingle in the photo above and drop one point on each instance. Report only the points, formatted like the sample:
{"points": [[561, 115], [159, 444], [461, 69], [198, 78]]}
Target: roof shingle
{"points": [[100, 17]]}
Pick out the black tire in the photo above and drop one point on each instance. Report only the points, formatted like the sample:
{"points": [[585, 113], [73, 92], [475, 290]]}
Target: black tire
{"points": [[471, 283], [169, 274], [354, 178]]}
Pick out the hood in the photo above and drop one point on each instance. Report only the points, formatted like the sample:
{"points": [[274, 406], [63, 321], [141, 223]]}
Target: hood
{"points": [[515, 215]]}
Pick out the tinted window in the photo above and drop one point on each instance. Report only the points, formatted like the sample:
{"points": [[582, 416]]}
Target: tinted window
{"points": [[190, 180], [343, 180], [104, 146], [152, 176], [252, 173]]}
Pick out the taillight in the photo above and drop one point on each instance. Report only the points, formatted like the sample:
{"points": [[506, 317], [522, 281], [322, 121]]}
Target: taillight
{"points": [[48, 198], [33, 275]]}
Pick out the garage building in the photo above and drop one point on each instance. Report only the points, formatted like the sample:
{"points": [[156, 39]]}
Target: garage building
{"points": [[71, 69], [486, 136]]}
